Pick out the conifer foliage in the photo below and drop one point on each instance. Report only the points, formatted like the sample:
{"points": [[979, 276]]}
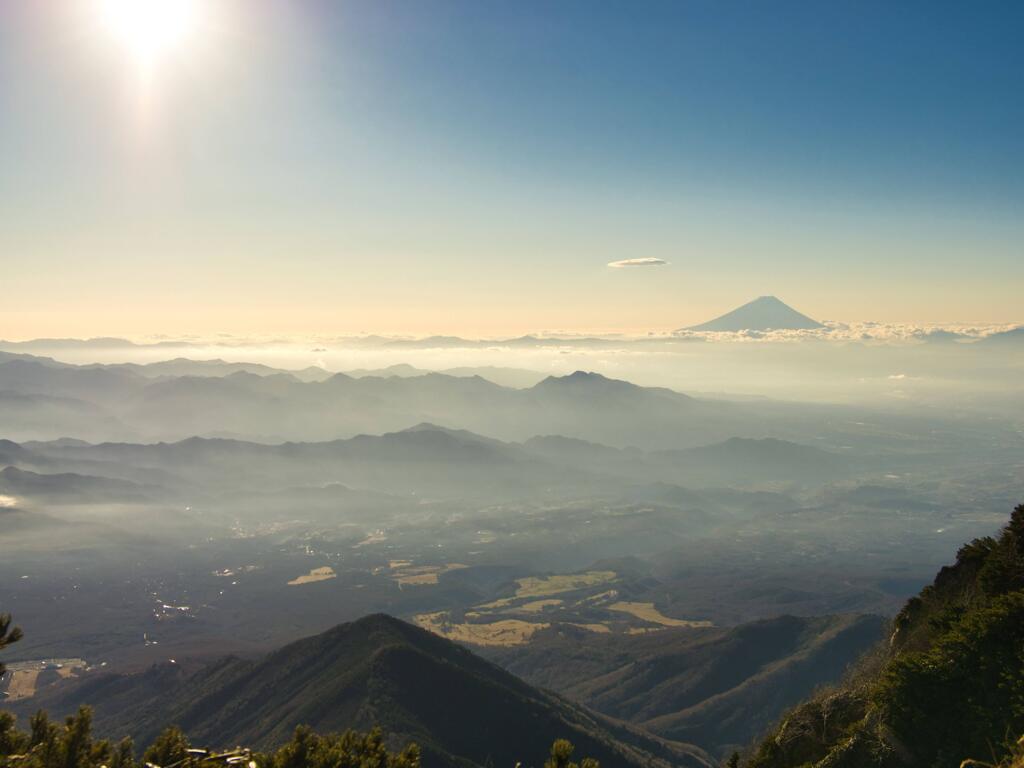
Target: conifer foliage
{"points": [[948, 685], [7, 634], [71, 745]]}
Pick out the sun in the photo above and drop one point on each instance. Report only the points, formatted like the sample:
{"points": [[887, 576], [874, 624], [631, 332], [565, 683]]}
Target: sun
{"points": [[150, 29]]}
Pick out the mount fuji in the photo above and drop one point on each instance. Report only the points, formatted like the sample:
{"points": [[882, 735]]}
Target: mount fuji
{"points": [[765, 313]]}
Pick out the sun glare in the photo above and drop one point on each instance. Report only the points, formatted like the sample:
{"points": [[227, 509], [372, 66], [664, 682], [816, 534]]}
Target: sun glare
{"points": [[150, 29]]}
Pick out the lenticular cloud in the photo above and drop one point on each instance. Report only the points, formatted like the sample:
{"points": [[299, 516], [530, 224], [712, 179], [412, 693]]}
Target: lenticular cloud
{"points": [[644, 262]]}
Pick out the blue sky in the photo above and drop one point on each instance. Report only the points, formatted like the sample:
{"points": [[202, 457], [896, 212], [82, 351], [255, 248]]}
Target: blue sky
{"points": [[472, 167]]}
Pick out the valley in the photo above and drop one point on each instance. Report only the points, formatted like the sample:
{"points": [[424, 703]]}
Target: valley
{"points": [[574, 564]]}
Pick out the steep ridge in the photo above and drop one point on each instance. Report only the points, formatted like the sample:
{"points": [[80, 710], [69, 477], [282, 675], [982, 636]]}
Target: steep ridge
{"points": [[461, 709], [947, 686]]}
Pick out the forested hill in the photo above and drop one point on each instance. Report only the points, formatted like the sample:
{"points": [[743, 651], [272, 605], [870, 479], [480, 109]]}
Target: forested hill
{"points": [[947, 686], [375, 672]]}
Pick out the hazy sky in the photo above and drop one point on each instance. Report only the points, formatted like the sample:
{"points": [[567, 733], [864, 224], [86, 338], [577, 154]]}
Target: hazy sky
{"points": [[472, 167]]}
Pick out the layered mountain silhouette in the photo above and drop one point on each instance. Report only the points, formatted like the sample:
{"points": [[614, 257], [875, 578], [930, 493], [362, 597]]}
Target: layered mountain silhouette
{"points": [[78, 489], [424, 459], [462, 710], [124, 405], [765, 313]]}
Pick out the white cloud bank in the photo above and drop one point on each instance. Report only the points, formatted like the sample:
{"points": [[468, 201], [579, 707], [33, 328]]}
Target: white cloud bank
{"points": [[867, 332], [644, 262]]}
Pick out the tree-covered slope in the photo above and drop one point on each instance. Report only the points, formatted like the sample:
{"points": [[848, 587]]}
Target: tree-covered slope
{"points": [[948, 685], [460, 709]]}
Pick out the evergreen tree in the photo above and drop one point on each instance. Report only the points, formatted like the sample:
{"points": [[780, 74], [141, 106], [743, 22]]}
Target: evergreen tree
{"points": [[170, 747], [72, 746], [11, 741], [7, 634], [342, 750], [44, 739], [561, 752], [123, 755]]}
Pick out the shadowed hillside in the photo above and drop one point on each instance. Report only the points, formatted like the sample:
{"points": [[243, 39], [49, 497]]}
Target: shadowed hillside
{"points": [[715, 688], [459, 708]]}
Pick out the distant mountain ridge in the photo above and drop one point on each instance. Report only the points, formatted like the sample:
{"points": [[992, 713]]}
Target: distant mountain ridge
{"points": [[119, 403], [765, 313], [69, 487], [1012, 336], [518, 378], [425, 458]]}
